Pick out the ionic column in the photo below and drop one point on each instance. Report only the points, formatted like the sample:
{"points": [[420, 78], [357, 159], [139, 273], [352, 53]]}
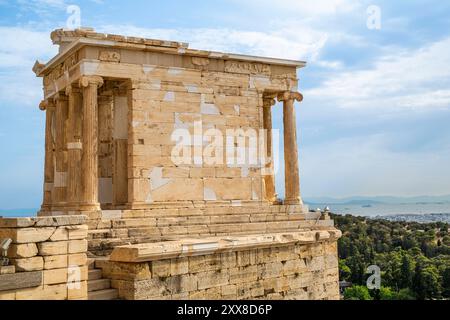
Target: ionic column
{"points": [[269, 177], [60, 184], [89, 163], [49, 167], [74, 145], [292, 177]]}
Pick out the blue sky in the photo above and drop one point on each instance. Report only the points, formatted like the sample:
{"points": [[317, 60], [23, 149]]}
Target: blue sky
{"points": [[376, 114]]}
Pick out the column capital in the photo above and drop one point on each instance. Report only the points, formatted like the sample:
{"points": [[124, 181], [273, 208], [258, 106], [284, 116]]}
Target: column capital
{"points": [[288, 95], [46, 104], [268, 102], [90, 80], [43, 105]]}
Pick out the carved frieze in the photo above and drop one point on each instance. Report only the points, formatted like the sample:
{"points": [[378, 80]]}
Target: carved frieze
{"points": [[109, 56], [247, 67], [60, 69], [199, 61]]}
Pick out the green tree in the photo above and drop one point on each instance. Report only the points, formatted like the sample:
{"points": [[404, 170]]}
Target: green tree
{"points": [[357, 293], [407, 272], [446, 283], [386, 293], [405, 294], [426, 282], [344, 271]]}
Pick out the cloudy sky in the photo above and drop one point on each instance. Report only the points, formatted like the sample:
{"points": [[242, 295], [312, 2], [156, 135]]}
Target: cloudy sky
{"points": [[376, 114]]}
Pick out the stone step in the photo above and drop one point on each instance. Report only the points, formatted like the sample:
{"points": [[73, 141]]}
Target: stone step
{"points": [[106, 294], [94, 274], [99, 233], [100, 284], [161, 222]]}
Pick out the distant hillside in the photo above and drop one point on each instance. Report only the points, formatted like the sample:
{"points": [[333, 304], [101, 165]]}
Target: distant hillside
{"points": [[361, 200]]}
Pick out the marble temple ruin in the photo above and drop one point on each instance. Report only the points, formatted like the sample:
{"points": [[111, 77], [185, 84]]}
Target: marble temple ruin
{"points": [[159, 180]]}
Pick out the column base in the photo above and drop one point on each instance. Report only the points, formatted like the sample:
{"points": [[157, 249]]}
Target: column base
{"points": [[88, 207], [293, 202]]}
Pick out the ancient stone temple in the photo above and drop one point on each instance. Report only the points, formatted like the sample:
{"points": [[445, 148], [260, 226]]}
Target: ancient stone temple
{"points": [[159, 171]]}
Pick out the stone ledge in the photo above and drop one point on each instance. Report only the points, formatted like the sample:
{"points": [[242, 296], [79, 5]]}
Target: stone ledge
{"points": [[208, 245], [21, 280], [55, 221]]}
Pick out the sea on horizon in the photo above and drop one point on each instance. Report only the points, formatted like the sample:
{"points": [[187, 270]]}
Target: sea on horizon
{"points": [[372, 210], [384, 209]]}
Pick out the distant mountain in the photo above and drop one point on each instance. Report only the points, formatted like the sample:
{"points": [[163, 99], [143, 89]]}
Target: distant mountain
{"points": [[361, 200]]}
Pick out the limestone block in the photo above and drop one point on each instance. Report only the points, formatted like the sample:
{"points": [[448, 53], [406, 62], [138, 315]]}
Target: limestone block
{"points": [[28, 264], [178, 190], [229, 291], [53, 248], [70, 233], [243, 274], [331, 261], [77, 259], [27, 235], [204, 263], [161, 268], [77, 291], [21, 280], [7, 270], [56, 221], [46, 292], [179, 266], [245, 258], [55, 262], [212, 279], [17, 222], [270, 270], [26, 250], [294, 267], [188, 283], [150, 288], [316, 263], [228, 260], [201, 172], [127, 271], [134, 223], [230, 189], [7, 295], [77, 246], [55, 276]]}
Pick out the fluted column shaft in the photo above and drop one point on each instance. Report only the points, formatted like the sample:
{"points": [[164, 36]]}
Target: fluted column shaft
{"points": [[60, 183], [269, 178], [292, 177], [90, 143], [49, 167], [74, 145]]}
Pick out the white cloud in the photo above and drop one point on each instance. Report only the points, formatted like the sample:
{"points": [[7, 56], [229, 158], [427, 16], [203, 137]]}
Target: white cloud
{"points": [[283, 42], [411, 79], [19, 49], [307, 7]]}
